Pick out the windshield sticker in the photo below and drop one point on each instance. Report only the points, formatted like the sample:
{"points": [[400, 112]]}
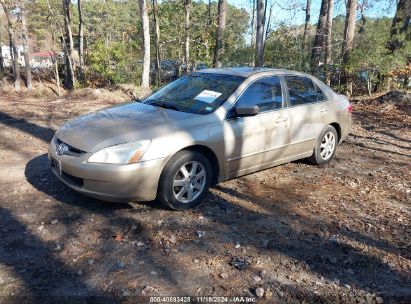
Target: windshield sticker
{"points": [[208, 109], [207, 96]]}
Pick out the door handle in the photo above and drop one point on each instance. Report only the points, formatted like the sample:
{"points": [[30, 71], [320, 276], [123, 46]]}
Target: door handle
{"points": [[281, 119], [324, 109]]}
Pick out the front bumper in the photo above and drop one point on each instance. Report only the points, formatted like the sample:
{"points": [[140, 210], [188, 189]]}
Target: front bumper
{"points": [[108, 182]]}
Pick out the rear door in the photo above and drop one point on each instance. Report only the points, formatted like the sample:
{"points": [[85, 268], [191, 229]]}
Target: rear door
{"points": [[254, 141], [306, 114]]}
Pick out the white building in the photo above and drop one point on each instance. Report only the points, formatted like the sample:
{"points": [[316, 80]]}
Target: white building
{"points": [[6, 54], [39, 60], [43, 60]]}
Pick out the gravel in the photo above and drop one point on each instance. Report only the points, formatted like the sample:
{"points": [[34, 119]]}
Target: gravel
{"points": [[223, 275], [259, 292]]}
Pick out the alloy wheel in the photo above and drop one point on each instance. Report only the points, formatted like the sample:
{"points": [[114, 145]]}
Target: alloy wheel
{"points": [[327, 146], [189, 182]]}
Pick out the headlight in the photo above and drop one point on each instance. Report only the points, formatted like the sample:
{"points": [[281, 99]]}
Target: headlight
{"points": [[120, 154]]}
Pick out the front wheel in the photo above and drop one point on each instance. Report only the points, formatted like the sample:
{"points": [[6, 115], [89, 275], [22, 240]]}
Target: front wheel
{"points": [[326, 146], [185, 180]]}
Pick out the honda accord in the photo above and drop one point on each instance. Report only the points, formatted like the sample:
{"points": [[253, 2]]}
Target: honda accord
{"points": [[199, 130]]}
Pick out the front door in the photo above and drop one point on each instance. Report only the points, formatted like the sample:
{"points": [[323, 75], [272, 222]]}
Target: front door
{"points": [[254, 141]]}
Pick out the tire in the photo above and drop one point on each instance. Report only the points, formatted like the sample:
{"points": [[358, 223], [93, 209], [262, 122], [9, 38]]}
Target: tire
{"points": [[326, 147], [189, 189]]}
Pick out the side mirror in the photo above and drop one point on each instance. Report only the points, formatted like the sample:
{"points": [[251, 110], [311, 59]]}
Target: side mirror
{"points": [[245, 110]]}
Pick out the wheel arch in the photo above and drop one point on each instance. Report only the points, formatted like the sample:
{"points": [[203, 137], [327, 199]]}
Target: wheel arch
{"points": [[337, 128]]}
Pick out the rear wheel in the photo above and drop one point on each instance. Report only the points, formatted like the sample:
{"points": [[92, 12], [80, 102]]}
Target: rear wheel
{"points": [[185, 180], [326, 146]]}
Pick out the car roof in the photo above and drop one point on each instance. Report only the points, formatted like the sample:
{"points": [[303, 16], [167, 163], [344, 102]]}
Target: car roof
{"points": [[248, 71]]}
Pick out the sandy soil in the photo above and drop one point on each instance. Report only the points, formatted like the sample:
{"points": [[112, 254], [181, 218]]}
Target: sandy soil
{"points": [[301, 233]]}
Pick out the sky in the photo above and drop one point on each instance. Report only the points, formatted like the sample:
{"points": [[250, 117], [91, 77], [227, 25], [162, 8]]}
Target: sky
{"points": [[291, 11]]}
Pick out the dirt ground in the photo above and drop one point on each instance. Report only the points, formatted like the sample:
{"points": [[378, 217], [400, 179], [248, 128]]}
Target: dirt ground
{"points": [[292, 234]]}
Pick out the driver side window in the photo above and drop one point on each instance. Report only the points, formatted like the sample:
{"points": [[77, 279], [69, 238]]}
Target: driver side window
{"points": [[265, 93]]}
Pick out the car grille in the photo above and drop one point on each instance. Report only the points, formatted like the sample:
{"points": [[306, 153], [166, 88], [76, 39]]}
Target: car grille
{"points": [[71, 150]]}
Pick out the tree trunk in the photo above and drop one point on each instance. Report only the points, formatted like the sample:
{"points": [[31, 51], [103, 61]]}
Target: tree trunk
{"points": [[187, 8], [13, 48], [253, 25], [25, 39], [15, 58], [363, 20], [399, 27], [253, 32], [318, 46], [219, 48], [209, 13], [267, 28], [67, 24], [145, 23], [157, 41], [259, 43], [56, 74], [306, 24], [328, 42], [369, 85], [1, 54], [69, 79], [348, 43], [265, 23], [80, 35], [54, 28]]}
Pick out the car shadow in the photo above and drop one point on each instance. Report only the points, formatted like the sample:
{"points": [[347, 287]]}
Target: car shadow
{"points": [[43, 133], [43, 273]]}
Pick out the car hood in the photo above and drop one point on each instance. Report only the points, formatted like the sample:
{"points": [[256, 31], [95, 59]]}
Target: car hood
{"points": [[125, 123]]}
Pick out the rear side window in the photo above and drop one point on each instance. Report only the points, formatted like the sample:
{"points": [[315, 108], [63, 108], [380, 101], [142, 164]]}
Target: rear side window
{"points": [[265, 92], [301, 90]]}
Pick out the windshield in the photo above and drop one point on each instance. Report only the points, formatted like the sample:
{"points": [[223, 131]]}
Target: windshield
{"points": [[198, 93]]}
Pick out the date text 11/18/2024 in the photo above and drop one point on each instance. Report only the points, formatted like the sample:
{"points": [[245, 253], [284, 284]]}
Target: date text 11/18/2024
{"points": [[203, 299]]}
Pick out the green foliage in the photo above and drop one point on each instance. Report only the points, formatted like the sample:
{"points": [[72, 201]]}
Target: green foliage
{"points": [[234, 42], [283, 49], [109, 62], [110, 20], [114, 46], [369, 50], [370, 58], [369, 64], [202, 34], [39, 20]]}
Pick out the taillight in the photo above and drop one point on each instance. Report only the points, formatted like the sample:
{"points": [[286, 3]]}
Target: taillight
{"points": [[349, 109]]}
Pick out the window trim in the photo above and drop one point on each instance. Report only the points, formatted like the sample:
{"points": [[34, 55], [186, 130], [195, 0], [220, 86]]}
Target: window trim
{"points": [[316, 86], [285, 103]]}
